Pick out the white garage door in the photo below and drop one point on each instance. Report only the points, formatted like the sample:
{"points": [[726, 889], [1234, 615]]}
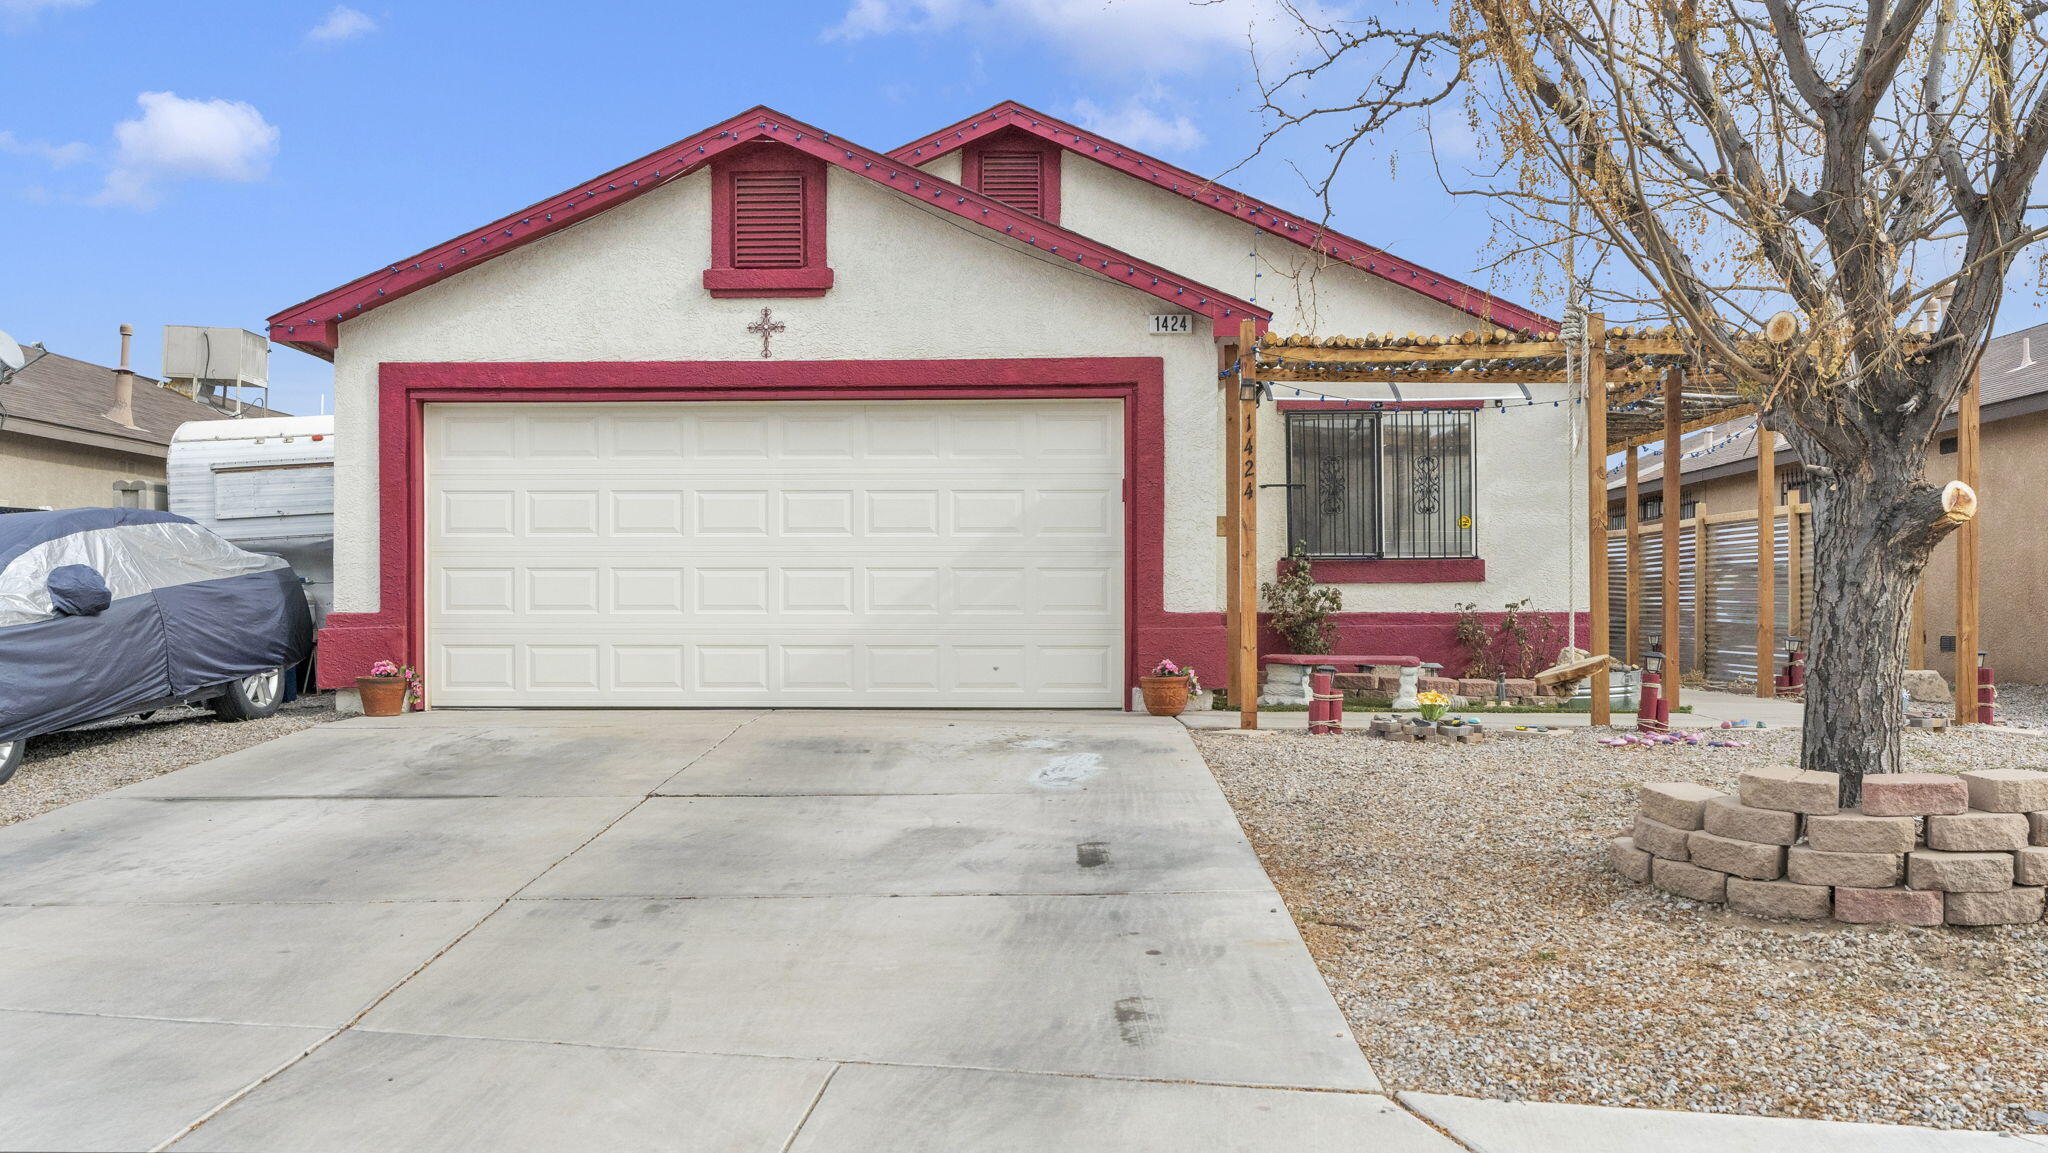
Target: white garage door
{"points": [[793, 553]]}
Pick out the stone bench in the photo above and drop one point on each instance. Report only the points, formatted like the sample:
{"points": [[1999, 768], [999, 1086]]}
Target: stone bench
{"points": [[1286, 675]]}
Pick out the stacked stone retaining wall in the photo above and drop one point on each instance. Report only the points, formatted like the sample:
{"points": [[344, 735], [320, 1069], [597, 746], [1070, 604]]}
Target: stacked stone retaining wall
{"points": [[1923, 849]]}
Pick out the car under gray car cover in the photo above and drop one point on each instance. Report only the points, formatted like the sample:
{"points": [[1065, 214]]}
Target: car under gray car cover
{"points": [[107, 610]]}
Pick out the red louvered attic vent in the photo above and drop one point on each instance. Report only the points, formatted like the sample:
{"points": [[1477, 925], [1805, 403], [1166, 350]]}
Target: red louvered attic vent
{"points": [[767, 224], [1015, 178], [768, 220]]}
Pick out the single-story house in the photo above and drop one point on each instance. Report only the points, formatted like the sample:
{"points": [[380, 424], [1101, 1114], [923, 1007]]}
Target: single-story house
{"points": [[1718, 479], [74, 434], [768, 417]]}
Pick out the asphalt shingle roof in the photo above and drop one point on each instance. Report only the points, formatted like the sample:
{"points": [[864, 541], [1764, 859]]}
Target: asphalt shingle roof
{"points": [[76, 394]]}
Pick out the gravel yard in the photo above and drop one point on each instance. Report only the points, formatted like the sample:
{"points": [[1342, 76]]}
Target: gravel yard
{"points": [[1459, 902], [83, 763]]}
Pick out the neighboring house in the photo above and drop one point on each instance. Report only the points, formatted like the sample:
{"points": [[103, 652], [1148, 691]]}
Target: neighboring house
{"points": [[803, 423], [68, 439], [1719, 481]]}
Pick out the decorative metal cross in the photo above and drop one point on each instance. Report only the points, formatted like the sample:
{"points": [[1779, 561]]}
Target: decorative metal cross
{"points": [[765, 327]]}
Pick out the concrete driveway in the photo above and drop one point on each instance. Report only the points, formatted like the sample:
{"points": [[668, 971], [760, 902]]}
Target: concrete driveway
{"points": [[783, 931]]}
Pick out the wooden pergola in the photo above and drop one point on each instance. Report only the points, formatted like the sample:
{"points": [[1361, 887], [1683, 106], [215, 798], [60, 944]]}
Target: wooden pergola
{"points": [[1651, 389]]}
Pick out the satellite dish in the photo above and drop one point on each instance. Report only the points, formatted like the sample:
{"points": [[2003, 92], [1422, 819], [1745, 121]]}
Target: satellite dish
{"points": [[11, 356]]}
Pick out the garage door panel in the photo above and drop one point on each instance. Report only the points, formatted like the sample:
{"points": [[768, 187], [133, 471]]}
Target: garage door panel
{"points": [[829, 554], [1013, 588]]}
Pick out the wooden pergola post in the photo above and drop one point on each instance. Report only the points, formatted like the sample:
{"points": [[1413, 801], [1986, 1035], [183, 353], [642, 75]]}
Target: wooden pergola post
{"points": [[1632, 555], [1766, 559], [1969, 419], [1674, 401], [1244, 640], [1596, 487]]}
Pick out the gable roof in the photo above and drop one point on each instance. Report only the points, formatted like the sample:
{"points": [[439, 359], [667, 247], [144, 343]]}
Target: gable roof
{"points": [[60, 392], [313, 325], [1320, 238]]}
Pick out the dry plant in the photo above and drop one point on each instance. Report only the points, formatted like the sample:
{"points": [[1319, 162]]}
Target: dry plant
{"points": [[1869, 169]]}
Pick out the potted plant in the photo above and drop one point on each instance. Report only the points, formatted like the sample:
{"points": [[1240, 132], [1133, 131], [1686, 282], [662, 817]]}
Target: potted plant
{"points": [[386, 690], [1167, 687], [1432, 706]]}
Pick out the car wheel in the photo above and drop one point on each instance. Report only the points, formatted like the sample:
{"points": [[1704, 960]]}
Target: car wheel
{"points": [[251, 698], [10, 758]]}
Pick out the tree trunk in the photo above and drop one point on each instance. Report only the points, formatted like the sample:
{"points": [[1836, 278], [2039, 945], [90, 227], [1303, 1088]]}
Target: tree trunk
{"points": [[1872, 534]]}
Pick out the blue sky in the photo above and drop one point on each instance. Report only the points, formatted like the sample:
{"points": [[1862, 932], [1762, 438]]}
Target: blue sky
{"points": [[210, 162]]}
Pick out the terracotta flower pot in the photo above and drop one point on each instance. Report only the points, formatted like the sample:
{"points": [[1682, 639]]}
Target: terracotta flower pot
{"points": [[1164, 696], [382, 696]]}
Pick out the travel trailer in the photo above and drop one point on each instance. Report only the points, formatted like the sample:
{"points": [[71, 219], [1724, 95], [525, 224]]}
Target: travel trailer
{"points": [[266, 484]]}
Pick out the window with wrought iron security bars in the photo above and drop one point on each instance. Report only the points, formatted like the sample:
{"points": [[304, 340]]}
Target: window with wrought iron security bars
{"points": [[1381, 484]]}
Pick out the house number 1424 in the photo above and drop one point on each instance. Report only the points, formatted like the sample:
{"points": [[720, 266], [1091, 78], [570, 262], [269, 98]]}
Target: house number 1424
{"points": [[1173, 324]]}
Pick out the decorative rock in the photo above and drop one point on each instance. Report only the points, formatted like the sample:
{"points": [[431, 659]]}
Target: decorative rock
{"points": [[1977, 832], [2005, 907], [1792, 790], [1859, 870], [1628, 860], [1741, 858], [1914, 794], [1677, 804], [1891, 906], [1660, 840], [1728, 817], [1959, 872], [1781, 899], [1476, 689], [2030, 866], [2037, 828], [1927, 685], [1445, 685], [1684, 880], [1518, 688], [2008, 790], [1855, 831]]}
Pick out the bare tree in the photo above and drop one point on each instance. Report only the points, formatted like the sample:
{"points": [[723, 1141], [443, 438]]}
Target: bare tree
{"points": [[1723, 160]]}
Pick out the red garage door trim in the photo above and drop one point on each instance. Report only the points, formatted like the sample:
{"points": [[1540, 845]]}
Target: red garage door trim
{"points": [[351, 642]]}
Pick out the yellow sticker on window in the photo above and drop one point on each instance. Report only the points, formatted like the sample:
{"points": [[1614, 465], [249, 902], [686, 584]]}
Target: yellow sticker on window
{"points": [[1465, 522]]}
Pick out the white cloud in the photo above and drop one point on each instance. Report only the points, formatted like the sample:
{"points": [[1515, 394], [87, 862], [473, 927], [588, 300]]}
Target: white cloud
{"points": [[18, 14], [1136, 123], [178, 139], [55, 155], [1151, 35], [344, 23]]}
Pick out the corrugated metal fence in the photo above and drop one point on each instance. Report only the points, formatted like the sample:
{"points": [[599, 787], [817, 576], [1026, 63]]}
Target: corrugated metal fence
{"points": [[1717, 639]]}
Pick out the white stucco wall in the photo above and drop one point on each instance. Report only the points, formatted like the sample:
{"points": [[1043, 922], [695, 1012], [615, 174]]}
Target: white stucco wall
{"points": [[911, 283], [1531, 523]]}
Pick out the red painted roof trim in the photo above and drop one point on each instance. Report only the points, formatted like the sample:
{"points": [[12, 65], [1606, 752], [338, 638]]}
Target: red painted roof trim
{"points": [[313, 325], [1316, 237]]}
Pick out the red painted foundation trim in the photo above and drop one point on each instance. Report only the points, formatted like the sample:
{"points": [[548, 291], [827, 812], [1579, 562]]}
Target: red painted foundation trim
{"points": [[352, 641], [1397, 570], [1012, 116], [1200, 639], [314, 325]]}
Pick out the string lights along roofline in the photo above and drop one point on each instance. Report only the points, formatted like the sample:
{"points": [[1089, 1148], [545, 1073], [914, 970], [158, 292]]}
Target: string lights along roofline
{"points": [[313, 325], [1319, 238]]}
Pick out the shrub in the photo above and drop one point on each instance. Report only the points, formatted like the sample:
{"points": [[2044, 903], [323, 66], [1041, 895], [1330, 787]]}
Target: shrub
{"points": [[1302, 608]]}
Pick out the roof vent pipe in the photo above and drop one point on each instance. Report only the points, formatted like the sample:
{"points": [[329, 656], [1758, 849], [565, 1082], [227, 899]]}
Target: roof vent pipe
{"points": [[123, 412]]}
